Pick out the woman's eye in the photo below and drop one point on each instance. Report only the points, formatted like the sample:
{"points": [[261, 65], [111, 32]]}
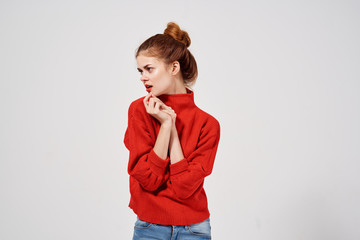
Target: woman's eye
{"points": [[150, 68]]}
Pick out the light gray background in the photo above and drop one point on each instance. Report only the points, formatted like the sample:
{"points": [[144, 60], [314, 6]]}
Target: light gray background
{"points": [[282, 78]]}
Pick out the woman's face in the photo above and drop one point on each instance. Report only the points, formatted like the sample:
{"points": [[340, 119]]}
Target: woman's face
{"points": [[156, 74]]}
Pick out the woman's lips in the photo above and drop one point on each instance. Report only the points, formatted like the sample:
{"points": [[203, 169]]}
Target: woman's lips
{"points": [[148, 89]]}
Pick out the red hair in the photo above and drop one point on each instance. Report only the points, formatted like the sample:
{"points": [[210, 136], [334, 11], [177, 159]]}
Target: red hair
{"points": [[172, 46]]}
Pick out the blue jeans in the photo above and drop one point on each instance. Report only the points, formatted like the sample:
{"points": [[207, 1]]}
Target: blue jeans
{"points": [[149, 231]]}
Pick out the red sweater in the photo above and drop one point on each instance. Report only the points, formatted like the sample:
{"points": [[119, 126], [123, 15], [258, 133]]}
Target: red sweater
{"points": [[165, 193]]}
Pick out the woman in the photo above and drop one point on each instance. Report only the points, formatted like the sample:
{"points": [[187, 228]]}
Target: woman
{"points": [[172, 143]]}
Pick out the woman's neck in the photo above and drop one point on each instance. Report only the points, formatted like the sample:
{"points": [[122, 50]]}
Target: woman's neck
{"points": [[178, 87]]}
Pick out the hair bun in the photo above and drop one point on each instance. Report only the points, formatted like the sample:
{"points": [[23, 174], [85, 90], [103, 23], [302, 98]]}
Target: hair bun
{"points": [[174, 30]]}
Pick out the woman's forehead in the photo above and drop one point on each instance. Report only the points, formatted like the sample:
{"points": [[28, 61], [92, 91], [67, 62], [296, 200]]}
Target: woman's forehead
{"points": [[143, 60]]}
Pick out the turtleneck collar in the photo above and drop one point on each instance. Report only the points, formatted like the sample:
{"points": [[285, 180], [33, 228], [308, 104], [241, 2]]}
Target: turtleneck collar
{"points": [[180, 101]]}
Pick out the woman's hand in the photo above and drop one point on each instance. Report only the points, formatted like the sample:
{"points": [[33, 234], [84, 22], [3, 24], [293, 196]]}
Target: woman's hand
{"points": [[172, 113], [156, 108]]}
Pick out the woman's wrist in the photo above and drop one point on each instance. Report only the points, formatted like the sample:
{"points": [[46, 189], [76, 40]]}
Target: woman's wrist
{"points": [[167, 124], [173, 131]]}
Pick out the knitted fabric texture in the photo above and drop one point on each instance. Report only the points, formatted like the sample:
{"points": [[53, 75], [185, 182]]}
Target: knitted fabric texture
{"points": [[165, 193]]}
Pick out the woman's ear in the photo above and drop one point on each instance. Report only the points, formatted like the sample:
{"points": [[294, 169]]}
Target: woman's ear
{"points": [[174, 67]]}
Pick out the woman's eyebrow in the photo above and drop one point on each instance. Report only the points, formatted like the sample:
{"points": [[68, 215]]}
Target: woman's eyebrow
{"points": [[144, 66]]}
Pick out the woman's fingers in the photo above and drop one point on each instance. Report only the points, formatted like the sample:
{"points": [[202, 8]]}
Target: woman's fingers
{"points": [[146, 101], [156, 99], [163, 105], [159, 110], [157, 107], [170, 112], [152, 104]]}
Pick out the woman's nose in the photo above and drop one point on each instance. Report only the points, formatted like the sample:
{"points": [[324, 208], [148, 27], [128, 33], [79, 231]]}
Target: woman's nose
{"points": [[143, 78]]}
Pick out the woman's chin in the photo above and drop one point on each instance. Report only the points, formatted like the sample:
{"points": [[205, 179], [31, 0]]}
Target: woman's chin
{"points": [[154, 93]]}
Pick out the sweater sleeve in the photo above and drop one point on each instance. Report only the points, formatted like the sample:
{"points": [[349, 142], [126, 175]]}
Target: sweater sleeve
{"points": [[144, 164], [187, 175]]}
